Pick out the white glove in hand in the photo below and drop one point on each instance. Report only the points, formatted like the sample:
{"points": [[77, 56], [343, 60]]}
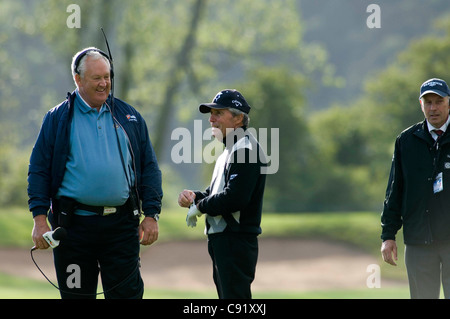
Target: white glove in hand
{"points": [[191, 218]]}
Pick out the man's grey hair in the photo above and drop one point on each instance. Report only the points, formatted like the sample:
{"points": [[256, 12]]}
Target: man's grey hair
{"points": [[82, 64], [422, 99], [245, 119]]}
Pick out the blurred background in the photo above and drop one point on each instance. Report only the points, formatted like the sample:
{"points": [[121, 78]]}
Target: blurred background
{"points": [[338, 89]]}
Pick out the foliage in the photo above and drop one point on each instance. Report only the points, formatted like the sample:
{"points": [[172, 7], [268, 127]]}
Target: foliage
{"points": [[13, 177], [333, 159], [165, 62], [356, 141], [278, 103]]}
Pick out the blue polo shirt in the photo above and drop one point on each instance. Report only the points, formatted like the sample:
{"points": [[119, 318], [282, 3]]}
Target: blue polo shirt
{"points": [[94, 173]]}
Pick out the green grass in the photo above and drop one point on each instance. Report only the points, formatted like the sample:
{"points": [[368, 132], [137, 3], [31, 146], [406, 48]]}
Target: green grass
{"points": [[361, 229], [16, 224], [12, 287]]}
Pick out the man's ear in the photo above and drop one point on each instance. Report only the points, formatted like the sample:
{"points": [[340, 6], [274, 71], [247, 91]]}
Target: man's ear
{"points": [[239, 119], [78, 79]]}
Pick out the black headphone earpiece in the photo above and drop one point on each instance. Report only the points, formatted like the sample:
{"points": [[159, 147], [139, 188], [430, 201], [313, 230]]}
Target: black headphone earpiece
{"points": [[83, 53]]}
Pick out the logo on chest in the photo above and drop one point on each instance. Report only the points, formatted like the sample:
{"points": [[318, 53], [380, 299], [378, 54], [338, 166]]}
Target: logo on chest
{"points": [[131, 118]]}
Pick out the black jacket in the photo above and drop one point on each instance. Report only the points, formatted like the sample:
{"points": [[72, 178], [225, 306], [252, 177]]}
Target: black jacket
{"points": [[410, 200], [239, 202]]}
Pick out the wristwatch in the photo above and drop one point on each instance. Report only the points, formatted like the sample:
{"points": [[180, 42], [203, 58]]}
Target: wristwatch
{"points": [[155, 217]]}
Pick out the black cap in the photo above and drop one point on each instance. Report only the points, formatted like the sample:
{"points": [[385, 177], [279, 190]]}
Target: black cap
{"points": [[226, 99]]}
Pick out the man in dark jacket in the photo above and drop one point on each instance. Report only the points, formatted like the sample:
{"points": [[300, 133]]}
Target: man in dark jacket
{"points": [[418, 196], [233, 202], [94, 166]]}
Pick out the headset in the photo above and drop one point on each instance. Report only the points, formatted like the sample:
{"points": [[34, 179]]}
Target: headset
{"points": [[108, 56], [82, 54]]}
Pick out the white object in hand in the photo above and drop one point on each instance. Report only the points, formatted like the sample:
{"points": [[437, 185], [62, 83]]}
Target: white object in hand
{"points": [[193, 213]]}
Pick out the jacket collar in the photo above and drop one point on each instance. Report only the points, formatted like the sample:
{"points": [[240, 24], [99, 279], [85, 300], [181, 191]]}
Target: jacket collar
{"points": [[423, 133]]}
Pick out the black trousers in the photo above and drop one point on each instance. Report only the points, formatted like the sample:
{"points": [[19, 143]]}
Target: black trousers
{"points": [[108, 245], [234, 257]]}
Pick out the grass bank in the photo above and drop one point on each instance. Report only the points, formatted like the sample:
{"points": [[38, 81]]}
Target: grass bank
{"points": [[359, 228]]}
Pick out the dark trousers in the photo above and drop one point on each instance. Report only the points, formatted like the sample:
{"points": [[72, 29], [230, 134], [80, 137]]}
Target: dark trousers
{"points": [[427, 266], [234, 258], [108, 245]]}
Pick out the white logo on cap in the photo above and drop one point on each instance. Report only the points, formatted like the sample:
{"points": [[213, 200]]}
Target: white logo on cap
{"points": [[237, 103], [217, 97], [433, 83]]}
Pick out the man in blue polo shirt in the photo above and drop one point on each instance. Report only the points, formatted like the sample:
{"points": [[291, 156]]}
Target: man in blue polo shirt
{"points": [[93, 164], [95, 158]]}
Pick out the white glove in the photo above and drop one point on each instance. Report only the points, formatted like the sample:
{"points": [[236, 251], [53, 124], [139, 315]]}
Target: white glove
{"points": [[193, 213]]}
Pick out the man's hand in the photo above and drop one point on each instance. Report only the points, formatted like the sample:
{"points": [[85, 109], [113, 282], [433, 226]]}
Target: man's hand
{"points": [[40, 228], [186, 198], [148, 231], [389, 251]]}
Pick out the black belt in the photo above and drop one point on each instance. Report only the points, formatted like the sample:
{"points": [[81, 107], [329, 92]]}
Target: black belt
{"points": [[104, 210]]}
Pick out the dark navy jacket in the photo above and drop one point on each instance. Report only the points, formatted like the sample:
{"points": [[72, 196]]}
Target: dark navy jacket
{"points": [[410, 200], [50, 153]]}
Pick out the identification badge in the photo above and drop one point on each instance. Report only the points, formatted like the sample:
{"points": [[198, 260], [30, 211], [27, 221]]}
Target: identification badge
{"points": [[438, 185]]}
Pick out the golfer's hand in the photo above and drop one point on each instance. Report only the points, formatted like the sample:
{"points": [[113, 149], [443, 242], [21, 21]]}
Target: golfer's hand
{"points": [[148, 231], [389, 251], [186, 198]]}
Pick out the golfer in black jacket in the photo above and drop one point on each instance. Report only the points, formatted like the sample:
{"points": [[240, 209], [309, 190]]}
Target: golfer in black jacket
{"points": [[232, 204]]}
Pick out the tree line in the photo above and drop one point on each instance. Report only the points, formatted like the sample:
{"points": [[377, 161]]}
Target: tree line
{"points": [[170, 55]]}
